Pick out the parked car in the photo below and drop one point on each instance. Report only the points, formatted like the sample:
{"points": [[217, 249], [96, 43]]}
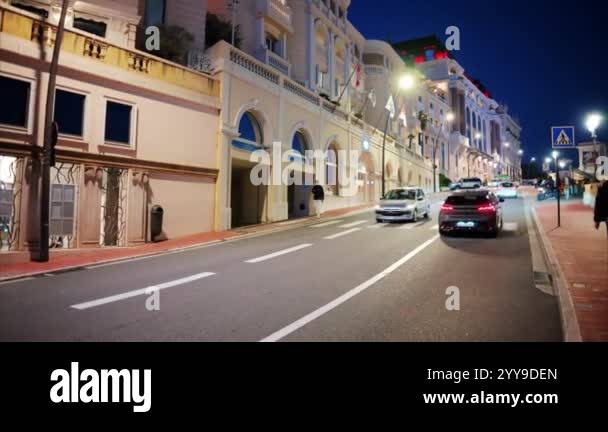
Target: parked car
{"points": [[472, 211], [402, 205], [467, 183], [507, 190]]}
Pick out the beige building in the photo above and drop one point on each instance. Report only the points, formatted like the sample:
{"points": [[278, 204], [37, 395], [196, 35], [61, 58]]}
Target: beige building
{"points": [[135, 131], [300, 78]]}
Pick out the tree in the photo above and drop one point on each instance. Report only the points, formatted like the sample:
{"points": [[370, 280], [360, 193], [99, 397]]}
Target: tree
{"points": [[217, 30], [175, 43]]}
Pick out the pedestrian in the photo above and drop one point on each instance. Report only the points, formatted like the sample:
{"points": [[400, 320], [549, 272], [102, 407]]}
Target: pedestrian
{"points": [[601, 206], [318, 195]]}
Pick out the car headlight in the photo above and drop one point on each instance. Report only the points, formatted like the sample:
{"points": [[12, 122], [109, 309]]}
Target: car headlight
{"points": [[541, 190]]}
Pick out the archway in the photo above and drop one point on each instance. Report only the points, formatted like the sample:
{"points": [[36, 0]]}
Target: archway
{"points": [[247, 200], [366, 179]]}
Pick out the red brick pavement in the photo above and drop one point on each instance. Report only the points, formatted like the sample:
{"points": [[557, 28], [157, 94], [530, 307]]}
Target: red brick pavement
{"points": [[582, 252]]}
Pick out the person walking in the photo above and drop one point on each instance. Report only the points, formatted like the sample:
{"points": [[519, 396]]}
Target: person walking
{"points": [[601, 206], [318, 195]]}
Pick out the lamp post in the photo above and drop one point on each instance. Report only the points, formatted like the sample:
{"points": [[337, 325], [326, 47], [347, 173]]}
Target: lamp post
{"points": [[49, 134], [449, 118], [406, 82], [592, 123]]}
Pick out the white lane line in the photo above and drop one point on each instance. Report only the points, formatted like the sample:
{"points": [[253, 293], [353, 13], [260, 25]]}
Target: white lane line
{"points": [[139, 292], [377, 226], [510, 226], [327, 224], [286, 331], [342, 234], [353, 224], [277, 254], [434, 228]]}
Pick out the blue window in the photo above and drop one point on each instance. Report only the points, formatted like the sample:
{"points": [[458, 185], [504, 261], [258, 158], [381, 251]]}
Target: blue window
{"points": [[250, 132], [155, 12], [69, 112], [429, 54], [18, 93], [118, 123]]}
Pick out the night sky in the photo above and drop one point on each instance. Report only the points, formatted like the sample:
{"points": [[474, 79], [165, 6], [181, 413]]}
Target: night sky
{"points": [[548, 61]]}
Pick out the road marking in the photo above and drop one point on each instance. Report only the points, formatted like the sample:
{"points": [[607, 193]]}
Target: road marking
{"points": [[510, 226], [353, 224], [342, 234], [377, 226], [434, 228], [327, 224], [286, 331], [279, 253], [139, 292]]}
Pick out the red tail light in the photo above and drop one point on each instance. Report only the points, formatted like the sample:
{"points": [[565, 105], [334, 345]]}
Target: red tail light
{"points": [[447, 208], [487, 209]]}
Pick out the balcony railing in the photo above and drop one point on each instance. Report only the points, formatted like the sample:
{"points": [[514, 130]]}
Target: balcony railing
{"points": [[278, 11], [374, 70], [97, 50], [275, 60]]}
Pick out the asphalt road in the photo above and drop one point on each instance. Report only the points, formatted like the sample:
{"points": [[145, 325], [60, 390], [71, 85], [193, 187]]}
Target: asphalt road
{"points": [[352, 280]]}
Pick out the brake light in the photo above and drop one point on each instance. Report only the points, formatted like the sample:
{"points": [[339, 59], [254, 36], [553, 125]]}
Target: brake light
{"points": [[487, 209], [447, 208]]}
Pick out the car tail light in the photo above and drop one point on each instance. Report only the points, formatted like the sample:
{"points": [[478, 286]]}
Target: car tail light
{"points": [[447, 208], [487, 209]]}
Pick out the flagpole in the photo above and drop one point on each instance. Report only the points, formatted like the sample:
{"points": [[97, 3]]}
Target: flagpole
{"points": [[344, 89]]}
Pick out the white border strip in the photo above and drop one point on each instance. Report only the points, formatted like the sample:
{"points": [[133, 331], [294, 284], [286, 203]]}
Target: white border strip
{"points": [[279, 253]]}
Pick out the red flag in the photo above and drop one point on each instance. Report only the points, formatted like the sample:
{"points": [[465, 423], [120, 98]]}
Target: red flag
{"points": [[358, 76]]}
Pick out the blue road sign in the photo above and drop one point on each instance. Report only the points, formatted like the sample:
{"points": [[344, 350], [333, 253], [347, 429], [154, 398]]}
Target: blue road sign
{"points": [[563, 137]]}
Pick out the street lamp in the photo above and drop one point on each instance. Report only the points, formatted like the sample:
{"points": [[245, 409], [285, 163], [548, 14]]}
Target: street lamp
{"points": [[520, 152], [449, 118], [555, 154], [533, 160], [507, 145], [592, 123], [406, 82]]}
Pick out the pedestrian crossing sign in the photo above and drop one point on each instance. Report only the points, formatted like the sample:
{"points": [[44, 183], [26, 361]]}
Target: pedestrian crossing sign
{"points": [[563, 137]]}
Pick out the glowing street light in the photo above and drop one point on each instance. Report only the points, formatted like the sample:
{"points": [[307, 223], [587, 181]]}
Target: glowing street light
{"points": [[507, 145], [520, 152], [533, 160], [555, 154], [450, 117], [592, 123], [562, 164], [548, 160], [407, 82]]}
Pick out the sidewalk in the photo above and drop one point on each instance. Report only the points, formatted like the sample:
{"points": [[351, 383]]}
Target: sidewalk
{"points": [[63, 260], [581, 254]]}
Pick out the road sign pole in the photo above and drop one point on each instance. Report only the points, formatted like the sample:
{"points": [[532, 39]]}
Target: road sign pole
{"points": [[559, 193]]}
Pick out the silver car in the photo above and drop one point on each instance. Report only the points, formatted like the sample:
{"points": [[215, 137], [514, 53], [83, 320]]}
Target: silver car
{"points": [[402, 205]]}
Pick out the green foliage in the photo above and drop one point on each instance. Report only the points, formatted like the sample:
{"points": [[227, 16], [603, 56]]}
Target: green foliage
{"points": [[218, 30], [444, 182], [175, 42]]}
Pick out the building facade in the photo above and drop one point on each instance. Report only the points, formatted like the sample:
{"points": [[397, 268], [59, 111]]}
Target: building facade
{"points": [[135, 131]]}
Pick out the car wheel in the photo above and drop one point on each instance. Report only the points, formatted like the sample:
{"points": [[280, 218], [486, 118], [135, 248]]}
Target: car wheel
{"points": [[378, 220], [443, 233], [427, 215], [416, 215]]}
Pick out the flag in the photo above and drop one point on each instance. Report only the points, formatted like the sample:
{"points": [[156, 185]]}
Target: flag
{"points": [[403, 116], [358, 76], [372, 97], [390, 106]]}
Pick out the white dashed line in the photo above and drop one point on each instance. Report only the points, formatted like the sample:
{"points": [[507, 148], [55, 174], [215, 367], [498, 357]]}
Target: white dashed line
{"points": [[434, 228], [411, 226], [342, 234], [144, 291], [327, 224], [353, 224], [377, 226], [286, 331], [279, 253], [510, 226]]}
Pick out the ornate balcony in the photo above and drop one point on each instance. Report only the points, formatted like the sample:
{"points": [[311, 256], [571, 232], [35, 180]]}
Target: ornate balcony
{"points": [[274, 60], [278, 11]]}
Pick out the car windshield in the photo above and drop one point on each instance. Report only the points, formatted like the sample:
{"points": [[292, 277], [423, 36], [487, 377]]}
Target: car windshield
{"points": [[472, 180], [399, 194], [467, 199], [507, 185]]}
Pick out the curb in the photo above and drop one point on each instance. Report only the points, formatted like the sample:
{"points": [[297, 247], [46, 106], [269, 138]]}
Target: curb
{"points": [[570, 326], [244, 236]]}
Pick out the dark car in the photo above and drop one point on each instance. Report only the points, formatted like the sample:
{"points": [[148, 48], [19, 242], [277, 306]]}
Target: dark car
{"points": [[472, 211]]}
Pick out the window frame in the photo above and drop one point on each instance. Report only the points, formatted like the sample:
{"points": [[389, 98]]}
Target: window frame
{"points": [[29, 105], [132, 124], [84, 112]]}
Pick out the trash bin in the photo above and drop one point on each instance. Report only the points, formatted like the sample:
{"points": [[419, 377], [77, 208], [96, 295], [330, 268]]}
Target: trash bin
{"points": [[156, 223]]}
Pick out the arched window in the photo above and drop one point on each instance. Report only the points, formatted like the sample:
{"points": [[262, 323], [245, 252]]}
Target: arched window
{"points": [[250, 131], [331, 169], [299, 142]]}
